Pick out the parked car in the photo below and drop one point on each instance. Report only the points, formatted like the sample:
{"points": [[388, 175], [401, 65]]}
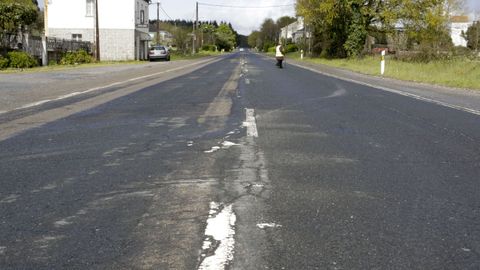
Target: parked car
{"points": [[159, 52]]}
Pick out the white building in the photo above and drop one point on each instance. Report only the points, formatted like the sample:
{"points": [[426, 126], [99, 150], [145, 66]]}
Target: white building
{"points": [[459, 24], [294, 31], [123, 25]]}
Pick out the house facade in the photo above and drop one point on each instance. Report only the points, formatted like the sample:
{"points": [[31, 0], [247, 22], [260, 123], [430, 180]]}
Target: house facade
{"points": [[123, 25], [295, 31], [459, 25]]}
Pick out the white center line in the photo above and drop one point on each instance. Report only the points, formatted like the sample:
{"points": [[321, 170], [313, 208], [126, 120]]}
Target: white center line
{"points": [[220, 237], [250, 123]]}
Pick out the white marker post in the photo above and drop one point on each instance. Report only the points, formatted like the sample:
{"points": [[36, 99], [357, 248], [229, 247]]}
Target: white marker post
{"points": [[301, 54], [382, 63]]}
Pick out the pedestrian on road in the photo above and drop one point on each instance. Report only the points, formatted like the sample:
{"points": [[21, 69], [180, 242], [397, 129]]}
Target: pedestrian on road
{"points": [[279, 54]]}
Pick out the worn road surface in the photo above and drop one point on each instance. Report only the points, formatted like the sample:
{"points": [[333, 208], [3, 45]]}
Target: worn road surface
{"points": [[240, 165]]}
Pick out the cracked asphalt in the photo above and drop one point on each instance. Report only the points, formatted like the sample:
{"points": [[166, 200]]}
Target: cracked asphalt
{"points": [[165, 174]]}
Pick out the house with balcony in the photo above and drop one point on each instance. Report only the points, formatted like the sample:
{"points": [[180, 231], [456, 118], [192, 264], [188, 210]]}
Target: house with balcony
{"points": [[123, 25]]}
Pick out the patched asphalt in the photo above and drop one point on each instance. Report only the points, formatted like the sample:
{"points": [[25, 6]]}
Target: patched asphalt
{"points": [[341, 176]]}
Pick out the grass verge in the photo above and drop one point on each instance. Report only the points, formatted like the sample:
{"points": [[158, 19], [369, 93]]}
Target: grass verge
{"points": [[460, 73]]}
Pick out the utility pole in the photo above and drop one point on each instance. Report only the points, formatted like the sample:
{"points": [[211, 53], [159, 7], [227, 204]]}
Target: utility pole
{"points": [[158, 23], [45, 16], [97, 33], [194, 37]]}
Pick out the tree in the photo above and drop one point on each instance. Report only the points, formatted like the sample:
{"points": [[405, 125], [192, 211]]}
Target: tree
{"points": [[182, 38], [284, 21], [473, 36], [225, 37], [268, 34], [14, 16], [341, 27], [254, 39], [208, 31]]}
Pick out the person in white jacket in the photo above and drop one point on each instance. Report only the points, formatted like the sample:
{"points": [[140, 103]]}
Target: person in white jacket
{"points": [[279, 55]]}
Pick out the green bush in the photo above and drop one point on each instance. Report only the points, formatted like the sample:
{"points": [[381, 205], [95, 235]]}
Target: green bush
{"points": [[21, 60], [75, 58], [291, 48], [4, 62], [210, 48], [271, 49]]}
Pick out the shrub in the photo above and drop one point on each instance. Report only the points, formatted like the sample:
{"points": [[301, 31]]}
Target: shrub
{"points": [[21, 60], [3, 62], [75, 58], [271, 49], [211, 48], [291, 48], [268, 46]]}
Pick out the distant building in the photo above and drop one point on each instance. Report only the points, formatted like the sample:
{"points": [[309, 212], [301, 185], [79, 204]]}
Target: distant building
{"points": [[295, 31], [459, 24], [166, 38], [123, 25]]}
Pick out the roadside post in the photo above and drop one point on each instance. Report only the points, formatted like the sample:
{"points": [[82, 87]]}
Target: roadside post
{"points": [[382, 63], [301, 54]]}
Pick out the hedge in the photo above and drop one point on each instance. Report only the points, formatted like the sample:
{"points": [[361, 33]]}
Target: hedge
{"points": [[78, 57], [21, 60]]}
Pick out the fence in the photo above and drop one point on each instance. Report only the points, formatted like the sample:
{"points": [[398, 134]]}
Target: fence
{"points": [[44, 48]]}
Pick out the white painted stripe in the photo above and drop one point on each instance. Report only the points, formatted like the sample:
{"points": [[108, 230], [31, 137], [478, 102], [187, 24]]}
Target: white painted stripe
{"points": [[220, 227], [268, 225], [399, 92], [34, 104], [250, 123]]}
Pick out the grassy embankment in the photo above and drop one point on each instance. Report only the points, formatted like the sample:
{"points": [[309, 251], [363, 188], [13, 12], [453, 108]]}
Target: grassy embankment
{"points": [[174, 57], [460, 73]]}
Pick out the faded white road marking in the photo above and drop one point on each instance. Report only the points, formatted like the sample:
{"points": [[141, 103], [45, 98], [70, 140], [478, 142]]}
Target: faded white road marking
{"points": [[219, 239], [10, 198], [268, 225], [34, 104], [214, 149], [227, 144], [2, 250], [399, 92], [250, 123], [62, 223]]}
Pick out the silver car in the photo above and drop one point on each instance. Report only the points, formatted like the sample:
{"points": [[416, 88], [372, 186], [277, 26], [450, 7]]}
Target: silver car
{"points": [[159, 52]]}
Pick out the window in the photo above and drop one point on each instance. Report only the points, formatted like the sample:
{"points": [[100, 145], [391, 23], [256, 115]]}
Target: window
{"points": [[142, 17], [77, 37], [90, 8]]}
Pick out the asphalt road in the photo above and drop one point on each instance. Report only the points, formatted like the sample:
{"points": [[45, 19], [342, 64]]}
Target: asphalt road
{"points": [[241, 165]]}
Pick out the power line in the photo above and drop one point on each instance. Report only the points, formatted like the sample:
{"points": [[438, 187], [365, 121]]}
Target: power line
{"points": [[165, 12], [245, 7]]}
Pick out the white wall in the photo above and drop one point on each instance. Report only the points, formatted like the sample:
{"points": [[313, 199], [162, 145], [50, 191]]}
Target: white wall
{"points": [[456, 33], [71, 14]]}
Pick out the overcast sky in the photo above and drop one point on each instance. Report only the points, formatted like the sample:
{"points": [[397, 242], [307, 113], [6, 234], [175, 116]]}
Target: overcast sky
{"points": [[243, 20]]}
